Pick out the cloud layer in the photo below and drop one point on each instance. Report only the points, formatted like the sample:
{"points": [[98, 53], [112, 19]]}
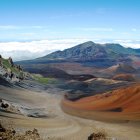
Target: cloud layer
{"points": [[34, 49]]}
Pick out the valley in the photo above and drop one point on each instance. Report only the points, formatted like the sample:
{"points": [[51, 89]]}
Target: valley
{"points": [[70, 94]]}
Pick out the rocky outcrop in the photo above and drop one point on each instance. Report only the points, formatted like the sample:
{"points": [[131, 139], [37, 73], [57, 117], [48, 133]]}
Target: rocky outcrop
{"points": [[11, 61], [1, 61], [11, 134], [9, 71], [97, 136]]}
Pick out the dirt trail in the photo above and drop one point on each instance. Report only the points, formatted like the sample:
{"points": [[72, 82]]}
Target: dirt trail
{"points": [[58, 125]]}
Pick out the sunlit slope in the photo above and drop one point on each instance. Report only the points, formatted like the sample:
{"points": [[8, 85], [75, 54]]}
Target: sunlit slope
{"points": [[124, 102]]}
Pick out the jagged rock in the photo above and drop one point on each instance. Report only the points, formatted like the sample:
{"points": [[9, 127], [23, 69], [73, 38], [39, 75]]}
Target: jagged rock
{"points": [[4, 105], [11, 75], [18, 67], [97, 136], [1, 64], [11, 61]]}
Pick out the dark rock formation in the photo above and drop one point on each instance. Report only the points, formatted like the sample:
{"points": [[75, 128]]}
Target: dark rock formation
{"points": [[97, 136], [4, 105], [11, 61]]}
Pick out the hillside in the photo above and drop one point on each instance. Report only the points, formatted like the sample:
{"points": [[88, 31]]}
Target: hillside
{"points": [[124, 77], [119, 69], [119, 104], [52, 72], [92, 86]]}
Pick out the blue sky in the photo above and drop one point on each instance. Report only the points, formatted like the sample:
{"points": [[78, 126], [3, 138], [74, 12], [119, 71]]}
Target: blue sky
{"points": [[39, 19], [96, 20]]}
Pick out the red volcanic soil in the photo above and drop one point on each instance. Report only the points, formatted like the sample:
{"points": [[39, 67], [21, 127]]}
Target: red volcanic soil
{"points": [[124, 77], [118, 105]]}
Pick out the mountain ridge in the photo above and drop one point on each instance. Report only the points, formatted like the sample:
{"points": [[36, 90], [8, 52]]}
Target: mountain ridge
{"points": [[90, 50], [95, 54]]}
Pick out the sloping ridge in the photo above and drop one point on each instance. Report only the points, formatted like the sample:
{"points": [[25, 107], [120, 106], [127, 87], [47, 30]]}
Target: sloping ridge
{"points": [[125, 68], [124, 102], [124, 77], [89, 53], [120, 68], [91, 50], [85, 50]]}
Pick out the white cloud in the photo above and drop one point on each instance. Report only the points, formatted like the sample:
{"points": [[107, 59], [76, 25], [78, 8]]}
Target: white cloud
{"points": [[134, 29], [22, 50], [27, 34], [42, 45], [34, 49], [97, 29], [14, 27], [8, 27], [123, 41], [23, 55], [129, 43]]}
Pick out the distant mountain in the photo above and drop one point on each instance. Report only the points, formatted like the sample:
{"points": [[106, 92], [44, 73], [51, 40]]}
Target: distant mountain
{"points": [[90, 53]]}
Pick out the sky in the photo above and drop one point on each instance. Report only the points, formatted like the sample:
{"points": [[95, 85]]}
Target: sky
{"points": [[38, 27]]}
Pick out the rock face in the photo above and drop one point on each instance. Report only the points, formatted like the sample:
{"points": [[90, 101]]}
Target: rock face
{"points": [[1, 60], [9, 71], [11, 61]]}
